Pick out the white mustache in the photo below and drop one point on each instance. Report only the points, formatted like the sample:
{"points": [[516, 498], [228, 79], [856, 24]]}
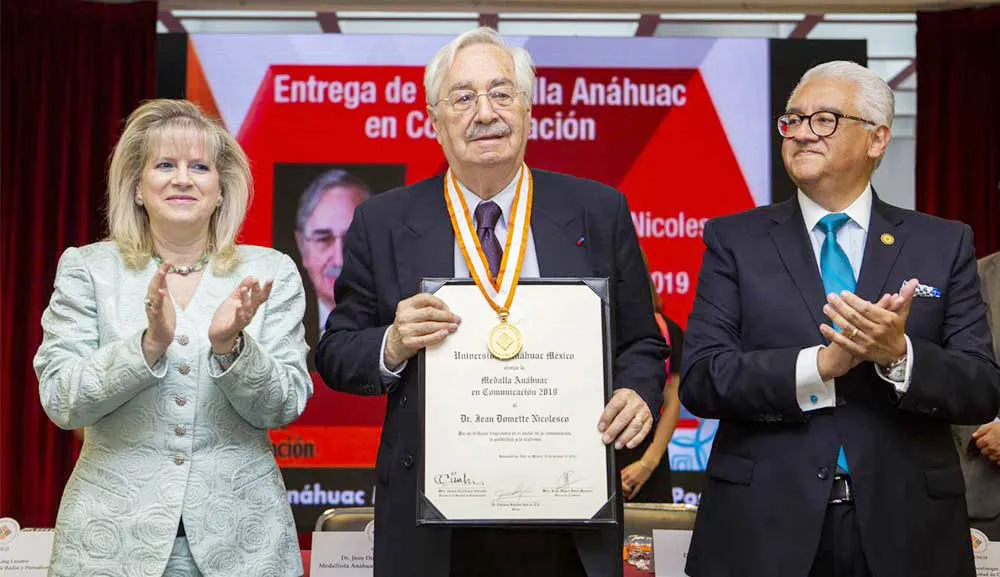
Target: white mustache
{"points": [[496, 129], [332, 271]]}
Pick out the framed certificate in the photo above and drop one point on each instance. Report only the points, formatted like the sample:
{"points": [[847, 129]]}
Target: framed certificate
{"points": [[511, 438]]}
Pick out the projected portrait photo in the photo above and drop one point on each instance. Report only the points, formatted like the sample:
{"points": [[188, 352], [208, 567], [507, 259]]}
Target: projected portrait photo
{"points": [[313, 208]]}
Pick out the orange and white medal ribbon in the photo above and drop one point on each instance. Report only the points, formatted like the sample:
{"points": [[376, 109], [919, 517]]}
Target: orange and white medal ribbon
{"points": [[504, 341]]}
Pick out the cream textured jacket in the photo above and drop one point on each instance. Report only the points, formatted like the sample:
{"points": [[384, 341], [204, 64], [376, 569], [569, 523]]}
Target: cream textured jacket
{"points": [[180, 439]]}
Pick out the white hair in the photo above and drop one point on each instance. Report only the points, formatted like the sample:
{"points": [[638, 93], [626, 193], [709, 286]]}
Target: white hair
{"points": [[524, 68], [874, 99]]}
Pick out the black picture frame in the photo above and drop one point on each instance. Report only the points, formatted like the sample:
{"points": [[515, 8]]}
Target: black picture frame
{"points": [[609, 514]]}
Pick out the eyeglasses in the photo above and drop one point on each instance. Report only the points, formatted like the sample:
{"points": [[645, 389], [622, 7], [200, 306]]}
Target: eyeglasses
{"points": [[823, 123], [465, 100], [323, 240]]}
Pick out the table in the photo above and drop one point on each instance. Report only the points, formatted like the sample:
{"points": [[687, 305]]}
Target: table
{"points": [[630, 571]]}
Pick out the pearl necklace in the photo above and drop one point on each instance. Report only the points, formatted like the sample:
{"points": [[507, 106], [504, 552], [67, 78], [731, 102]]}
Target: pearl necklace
{"points": [[185, 270]]}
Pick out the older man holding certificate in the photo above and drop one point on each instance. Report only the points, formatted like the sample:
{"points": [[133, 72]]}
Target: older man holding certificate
{"points": [[495, 454]]}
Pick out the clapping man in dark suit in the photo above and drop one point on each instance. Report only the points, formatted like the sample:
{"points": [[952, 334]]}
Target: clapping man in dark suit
{"points": [[836, 337], [479, 97]]}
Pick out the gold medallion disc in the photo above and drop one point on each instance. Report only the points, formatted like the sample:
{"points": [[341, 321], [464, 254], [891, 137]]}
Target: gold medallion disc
{"points": [[504, 341]]}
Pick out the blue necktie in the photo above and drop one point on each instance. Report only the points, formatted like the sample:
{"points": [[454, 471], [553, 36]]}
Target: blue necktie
{"points": [[837, 276]]}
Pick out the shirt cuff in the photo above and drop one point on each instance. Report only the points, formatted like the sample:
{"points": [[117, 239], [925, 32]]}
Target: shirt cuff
{"points": [[387, 375], [904, 385], [811, 391]]}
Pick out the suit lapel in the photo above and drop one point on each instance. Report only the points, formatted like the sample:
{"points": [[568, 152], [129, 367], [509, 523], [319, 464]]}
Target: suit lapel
{"points": [[558, 224], [425, 244], [795, 249], [885, 240], [989, 275]]}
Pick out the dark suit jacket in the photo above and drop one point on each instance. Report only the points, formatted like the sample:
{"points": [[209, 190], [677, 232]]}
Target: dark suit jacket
{"points": [[982, 477], [403, 235], [759, 302]]}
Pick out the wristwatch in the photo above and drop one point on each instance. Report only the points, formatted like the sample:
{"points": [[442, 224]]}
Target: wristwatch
{"points": [[229, 358], [896, 371]]}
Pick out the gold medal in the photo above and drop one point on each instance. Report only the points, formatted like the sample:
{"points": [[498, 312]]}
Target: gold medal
{"points": [[504, 341]]}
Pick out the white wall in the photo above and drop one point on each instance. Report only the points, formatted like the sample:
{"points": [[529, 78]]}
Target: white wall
{"points": [[894, 179]]}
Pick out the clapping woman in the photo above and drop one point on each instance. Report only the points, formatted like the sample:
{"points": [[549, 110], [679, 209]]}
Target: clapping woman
{"points": [[176, 349]]}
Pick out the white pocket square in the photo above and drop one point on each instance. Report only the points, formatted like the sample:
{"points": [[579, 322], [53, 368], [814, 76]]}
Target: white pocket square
{"points": [[926, 291]]}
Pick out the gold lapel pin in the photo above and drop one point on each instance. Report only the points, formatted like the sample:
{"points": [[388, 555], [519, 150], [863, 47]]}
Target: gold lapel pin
{"points": [[888, 239]]}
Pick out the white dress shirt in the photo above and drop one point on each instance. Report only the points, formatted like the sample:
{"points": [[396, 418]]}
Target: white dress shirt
{"points": [[324, 313], [812, 392], [529, 265]]}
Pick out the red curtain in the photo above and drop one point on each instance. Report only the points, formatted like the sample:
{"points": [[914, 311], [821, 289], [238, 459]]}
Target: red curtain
{"points": [[72, 71], [958, 123]]}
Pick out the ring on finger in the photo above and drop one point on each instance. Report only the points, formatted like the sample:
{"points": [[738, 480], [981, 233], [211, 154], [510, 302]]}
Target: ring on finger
{"points": [[148, 302], [854, 333]]}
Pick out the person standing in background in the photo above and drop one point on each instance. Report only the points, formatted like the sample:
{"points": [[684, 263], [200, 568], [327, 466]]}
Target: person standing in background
{"points": [[979, 445], [645, 470]]}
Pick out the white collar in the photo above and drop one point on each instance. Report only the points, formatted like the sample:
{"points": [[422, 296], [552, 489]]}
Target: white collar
{"points": [[860, 210], [505, 199]]}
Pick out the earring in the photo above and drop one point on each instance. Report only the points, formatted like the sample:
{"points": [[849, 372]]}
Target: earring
{"points": [[138, 199], [218, 201]]}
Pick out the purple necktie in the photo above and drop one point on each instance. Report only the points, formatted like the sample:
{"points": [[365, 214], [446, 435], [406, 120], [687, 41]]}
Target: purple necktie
{"points": [[487, 215]]}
